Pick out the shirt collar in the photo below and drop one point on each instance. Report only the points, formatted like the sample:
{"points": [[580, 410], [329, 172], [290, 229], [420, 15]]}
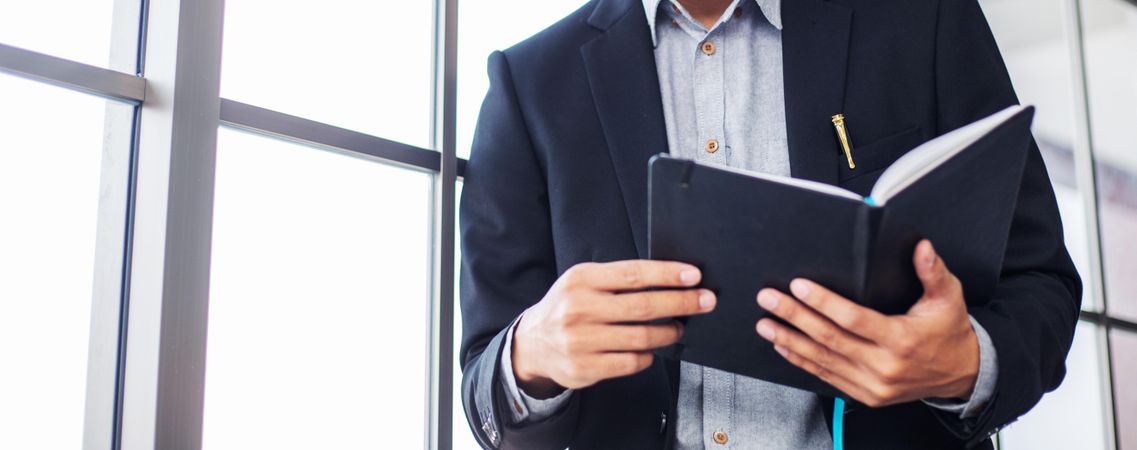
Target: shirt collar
{"points": [[772, 9]]}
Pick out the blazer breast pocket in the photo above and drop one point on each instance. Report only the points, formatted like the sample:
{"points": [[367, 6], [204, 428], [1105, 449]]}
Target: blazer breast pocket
{"points": [[874, 157]]}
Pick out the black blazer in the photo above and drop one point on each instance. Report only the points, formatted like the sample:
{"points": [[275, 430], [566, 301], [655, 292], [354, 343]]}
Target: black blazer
{"points": [[558, 176]]}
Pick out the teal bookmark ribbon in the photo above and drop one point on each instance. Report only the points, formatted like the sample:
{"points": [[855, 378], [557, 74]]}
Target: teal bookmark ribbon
{"points": [[838, 424]]}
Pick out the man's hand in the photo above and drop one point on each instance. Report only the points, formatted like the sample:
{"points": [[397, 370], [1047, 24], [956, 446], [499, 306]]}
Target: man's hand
{"points": [[931, 351], [583, 331]]}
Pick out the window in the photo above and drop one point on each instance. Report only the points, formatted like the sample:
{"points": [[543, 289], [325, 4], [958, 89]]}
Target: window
{"points": [[1037, 53], [318, 300], [49, 194], [1038, 49], [74, 29], [364, 66], [1076, 405], [1111, 68], [1124, 346]]}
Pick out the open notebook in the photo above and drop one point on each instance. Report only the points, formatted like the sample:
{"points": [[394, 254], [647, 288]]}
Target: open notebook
{"points": [[908, 168], [747, 231]]}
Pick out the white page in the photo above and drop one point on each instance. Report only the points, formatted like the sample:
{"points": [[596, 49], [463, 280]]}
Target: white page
{"points": [[921, 160], [797, 182]]}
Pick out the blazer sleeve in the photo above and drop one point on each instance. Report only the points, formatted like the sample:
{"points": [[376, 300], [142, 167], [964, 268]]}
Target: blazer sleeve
{"points": [[508, 263], [1032, 314]]}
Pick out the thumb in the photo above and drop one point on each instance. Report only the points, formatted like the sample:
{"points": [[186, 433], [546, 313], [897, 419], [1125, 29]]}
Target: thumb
{"points": [[933, 273]]}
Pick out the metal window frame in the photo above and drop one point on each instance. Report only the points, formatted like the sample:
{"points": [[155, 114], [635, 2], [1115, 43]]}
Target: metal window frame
{"points": [[1086, 180], [108, 299], [163, 392], [310, 133], [106, 83], [440, 371], [1108, 321]]}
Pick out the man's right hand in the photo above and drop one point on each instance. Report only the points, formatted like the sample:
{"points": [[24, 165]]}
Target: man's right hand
{"points": [[585, 329]]}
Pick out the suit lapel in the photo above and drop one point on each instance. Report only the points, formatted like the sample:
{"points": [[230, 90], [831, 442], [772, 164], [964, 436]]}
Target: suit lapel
{"points": [[625, 87], [815, 47]]}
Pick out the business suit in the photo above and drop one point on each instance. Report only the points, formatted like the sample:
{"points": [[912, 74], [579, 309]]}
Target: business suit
{"points": [[558, 176]]}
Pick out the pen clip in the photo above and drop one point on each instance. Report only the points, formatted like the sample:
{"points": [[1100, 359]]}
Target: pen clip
{"points": [[843, 136]]}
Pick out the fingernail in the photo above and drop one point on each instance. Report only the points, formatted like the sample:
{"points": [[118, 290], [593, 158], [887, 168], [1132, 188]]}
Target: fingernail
{"points": [[689, 277], [706, 300], [930, 257], [782, 351], [766, 330], [767, 300], [679, 326], [800, 288]]}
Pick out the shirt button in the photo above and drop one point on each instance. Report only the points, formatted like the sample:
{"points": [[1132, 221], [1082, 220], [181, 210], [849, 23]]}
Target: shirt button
{"points": [[708, 48], [720, 437], [738, 12], [712, 146]]}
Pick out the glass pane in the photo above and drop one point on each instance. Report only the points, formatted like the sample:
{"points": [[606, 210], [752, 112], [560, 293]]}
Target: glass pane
{"points": [[49, 195], [480, 32], [1111, 68], [1070, 417], [318, 300], [79, 30], [1036, 48], [360, 65], [1123, 345]]}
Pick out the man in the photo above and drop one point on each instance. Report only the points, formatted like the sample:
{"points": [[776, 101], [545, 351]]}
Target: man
{"points": [[555, 290]]}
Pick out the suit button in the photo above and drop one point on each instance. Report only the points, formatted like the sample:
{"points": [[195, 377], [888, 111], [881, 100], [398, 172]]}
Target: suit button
{"points": [[711, 146], [708, 48], [720, 437]]}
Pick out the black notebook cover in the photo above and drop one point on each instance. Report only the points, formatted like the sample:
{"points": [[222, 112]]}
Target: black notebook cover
{"points": [[747, 233]]}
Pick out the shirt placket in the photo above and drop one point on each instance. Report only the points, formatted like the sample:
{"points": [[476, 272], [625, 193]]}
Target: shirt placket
{"points": [[709, 99], [718, 402]]}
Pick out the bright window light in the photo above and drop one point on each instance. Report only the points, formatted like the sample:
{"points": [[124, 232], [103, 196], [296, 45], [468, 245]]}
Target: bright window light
{"points": [[318, 300], [361, 65], [49, 195]]}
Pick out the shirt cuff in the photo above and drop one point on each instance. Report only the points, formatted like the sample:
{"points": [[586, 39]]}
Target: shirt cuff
{"points": [[523, 407], [984, 382]]}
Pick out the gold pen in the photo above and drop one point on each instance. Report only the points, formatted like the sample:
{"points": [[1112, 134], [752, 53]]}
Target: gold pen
{"points": [[843, 135]]}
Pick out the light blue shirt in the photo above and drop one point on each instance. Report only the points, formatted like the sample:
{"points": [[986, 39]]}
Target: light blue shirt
{"points": [[723, 102]]}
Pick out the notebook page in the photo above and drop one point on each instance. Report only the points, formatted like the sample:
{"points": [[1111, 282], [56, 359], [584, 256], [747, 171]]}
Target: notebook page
{"points": [[796, 182], [918, 162]]}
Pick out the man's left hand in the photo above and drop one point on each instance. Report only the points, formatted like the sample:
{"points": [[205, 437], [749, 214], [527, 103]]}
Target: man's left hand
{"points": [[931, 351]]}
